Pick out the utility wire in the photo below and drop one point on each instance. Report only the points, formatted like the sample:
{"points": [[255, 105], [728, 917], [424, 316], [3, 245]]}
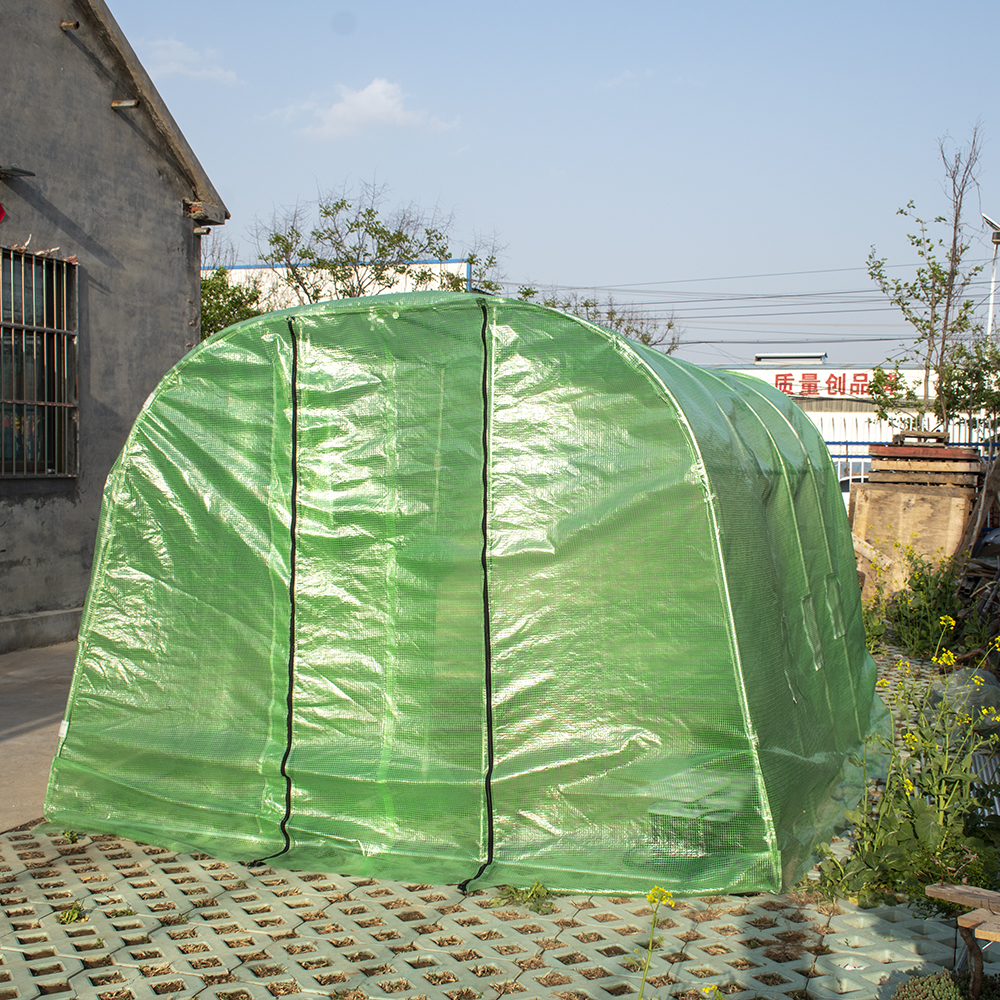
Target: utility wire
{"points": [[731, 277]]}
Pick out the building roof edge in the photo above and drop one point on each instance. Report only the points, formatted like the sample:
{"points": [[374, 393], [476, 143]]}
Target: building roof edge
{"points": [[205, 206]]}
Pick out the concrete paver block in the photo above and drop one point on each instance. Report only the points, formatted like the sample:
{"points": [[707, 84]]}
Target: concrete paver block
{"points": [[160, 924]]}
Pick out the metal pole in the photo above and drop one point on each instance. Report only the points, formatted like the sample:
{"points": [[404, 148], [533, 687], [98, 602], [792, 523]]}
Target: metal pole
{"points": [[995, 226], [993, 284]]}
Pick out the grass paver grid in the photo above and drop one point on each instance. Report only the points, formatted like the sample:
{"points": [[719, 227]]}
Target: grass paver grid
{"points": [[162, 924]]}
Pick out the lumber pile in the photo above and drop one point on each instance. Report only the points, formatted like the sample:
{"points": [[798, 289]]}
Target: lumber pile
{"points": [[926, 464]]}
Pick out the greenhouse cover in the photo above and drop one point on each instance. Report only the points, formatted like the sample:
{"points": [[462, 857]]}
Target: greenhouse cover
{"points": [[446, 587]]}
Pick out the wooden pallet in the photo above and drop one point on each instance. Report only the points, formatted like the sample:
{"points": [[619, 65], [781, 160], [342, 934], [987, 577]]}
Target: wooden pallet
{"points": [[939, 453], [926, 465], [935, 439]]}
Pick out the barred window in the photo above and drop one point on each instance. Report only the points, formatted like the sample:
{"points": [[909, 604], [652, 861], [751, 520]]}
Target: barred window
{"points": [[38, 381]]}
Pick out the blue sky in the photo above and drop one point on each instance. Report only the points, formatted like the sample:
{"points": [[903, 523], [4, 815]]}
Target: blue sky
{"points": [[675, 154]]}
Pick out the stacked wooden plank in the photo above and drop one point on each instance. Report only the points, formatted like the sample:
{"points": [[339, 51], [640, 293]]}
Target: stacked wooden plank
{"points": [[926, 465]]}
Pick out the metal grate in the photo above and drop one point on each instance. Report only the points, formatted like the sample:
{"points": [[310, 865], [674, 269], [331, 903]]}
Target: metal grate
{"points": [[38, 373]]}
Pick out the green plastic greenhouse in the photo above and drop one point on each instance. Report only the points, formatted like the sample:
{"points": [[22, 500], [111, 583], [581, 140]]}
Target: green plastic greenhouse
{"points": [[446, 587]]}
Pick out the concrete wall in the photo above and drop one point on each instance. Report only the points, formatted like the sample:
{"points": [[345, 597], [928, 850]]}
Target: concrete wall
{"points": [[277, 293], [108, 191]]}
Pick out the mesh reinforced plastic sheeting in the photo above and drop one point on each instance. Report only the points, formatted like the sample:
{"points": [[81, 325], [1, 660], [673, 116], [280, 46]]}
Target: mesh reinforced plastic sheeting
{"points": [[443, 587]]}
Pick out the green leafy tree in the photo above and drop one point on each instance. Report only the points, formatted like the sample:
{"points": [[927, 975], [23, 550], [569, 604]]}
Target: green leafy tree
{"points": [[935, 302], [224, 303], [895, 399], [350, 244], [628, 320], [970, 382]]}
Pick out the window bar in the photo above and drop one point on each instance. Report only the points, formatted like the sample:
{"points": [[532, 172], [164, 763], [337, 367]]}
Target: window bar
{"points": [[59, 460], [39, 374], [28, 424], [48, 456], [66, 398], [19, 379], [27, 311], [51, 305], [51, 374], [31, 385], [3, 366], [39, 429], [76, 369]]}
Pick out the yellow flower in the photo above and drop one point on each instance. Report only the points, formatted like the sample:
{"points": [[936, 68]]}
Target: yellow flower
{"points": [[656, 896], [946, 658], [881, 683], [947, 621], [909, 786]]}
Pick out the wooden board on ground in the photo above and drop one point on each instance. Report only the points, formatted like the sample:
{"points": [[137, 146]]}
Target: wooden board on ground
{"points": [[930, 518], [876, 568]]}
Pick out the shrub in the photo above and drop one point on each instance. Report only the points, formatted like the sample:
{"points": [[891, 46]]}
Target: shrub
{"points": [[945, 985], [939, 986], [930, 594]]}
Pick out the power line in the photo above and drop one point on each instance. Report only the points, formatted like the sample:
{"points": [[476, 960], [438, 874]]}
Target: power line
{"points": [[730, 277], [790, 343]]}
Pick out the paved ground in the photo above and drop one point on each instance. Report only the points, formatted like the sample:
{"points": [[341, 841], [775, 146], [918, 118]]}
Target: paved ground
{"points": [[152, 923], [34, 685]]}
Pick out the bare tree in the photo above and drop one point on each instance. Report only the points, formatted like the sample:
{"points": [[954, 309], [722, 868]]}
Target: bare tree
{"points": [[218, 250], [628, 319]]}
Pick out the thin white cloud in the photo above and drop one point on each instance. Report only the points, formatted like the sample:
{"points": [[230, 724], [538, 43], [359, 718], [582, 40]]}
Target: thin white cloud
{"points": [[623, 78], [610, 83], [168, 57], [380, 103]]}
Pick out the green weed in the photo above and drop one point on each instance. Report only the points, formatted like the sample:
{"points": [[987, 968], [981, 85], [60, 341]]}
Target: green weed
{"points": [[72, 914], [536, 897]]}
